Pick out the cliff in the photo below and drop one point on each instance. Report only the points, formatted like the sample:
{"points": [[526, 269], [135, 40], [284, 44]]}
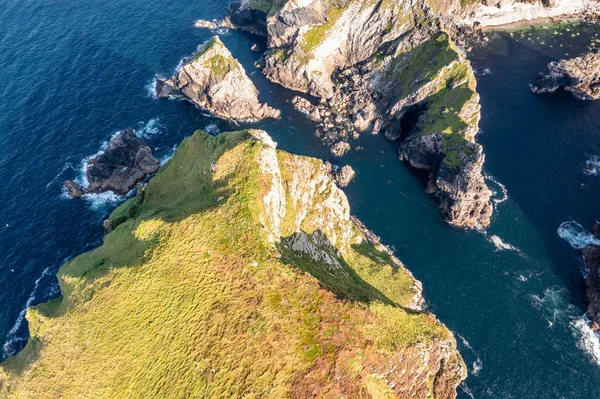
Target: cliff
{"points": [[236, 272], [579, 76], [591, 257], [215, 81], [389, 67]]}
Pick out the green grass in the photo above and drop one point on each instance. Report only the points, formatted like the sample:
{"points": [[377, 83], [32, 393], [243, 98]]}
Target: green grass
{"points": [[316, 34], [422, 64], [269, 7], [188, 298], [207, 46]]}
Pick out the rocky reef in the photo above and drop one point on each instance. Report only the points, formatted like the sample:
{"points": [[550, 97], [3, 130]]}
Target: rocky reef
{"points": [[238, 271], [387, 67], [125, 162], [579, 76], [215, 81], [591, 257]]}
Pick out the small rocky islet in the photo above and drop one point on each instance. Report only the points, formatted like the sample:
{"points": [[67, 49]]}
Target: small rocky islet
{"points": [[126, 161]]}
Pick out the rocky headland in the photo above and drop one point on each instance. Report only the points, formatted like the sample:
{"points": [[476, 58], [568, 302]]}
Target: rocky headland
{"points": [[238, 271], [215, 81], [126, 161], [591, 258], [579, 76], [386, 67]]}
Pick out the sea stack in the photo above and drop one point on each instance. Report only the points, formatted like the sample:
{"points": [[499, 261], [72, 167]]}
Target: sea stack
{"points": [[126, 161], [579, 75], [215, 81]]}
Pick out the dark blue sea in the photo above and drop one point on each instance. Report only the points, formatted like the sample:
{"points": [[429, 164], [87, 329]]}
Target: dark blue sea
{"points": [[74, 73]]}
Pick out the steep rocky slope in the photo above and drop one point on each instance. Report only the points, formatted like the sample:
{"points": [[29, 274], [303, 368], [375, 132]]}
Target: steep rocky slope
{"points": [[390, 67], [579, 75], [212, 79], [237, 272]]}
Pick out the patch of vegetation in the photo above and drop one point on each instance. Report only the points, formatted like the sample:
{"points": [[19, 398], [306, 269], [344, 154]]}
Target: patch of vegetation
{"points": [[187, 297], [316, 34], [269, 7], [207, 46], [422, 64], [219, 65]]}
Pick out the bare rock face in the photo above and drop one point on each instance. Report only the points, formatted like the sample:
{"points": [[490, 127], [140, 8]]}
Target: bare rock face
{"points": [[580, 76], [591, 257], [215, 81], [126, 161], [342, 176], [390, 68]]}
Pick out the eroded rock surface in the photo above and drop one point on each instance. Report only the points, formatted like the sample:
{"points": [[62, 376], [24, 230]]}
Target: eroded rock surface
{"points": [[580, 76], [391, 68], [126, 161], [215, 81]]}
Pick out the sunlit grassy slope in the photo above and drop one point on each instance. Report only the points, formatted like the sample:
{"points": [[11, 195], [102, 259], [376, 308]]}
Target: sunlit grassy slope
{"points": [[188, 297]]}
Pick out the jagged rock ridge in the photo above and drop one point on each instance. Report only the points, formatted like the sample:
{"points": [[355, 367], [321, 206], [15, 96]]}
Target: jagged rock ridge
{"points": [[213, 80]]}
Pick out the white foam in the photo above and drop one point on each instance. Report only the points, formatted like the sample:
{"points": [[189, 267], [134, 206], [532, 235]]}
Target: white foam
{"points": [[149, 129], [576, 235], [592, 166], [151, 88], [477, 366], [212, 129], [168, 155], [466, 390], [502, 188], [101, 200], [501, 245], [587, 340], [12, 337]]}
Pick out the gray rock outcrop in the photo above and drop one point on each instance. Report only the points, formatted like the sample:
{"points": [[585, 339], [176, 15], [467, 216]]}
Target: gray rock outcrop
{"points": [[215, 81], [126, 161], [580, 76]]}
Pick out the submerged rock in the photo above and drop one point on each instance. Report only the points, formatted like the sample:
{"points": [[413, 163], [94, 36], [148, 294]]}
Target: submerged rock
{"points": [[126, 161], [580, 76], [215, 81]]}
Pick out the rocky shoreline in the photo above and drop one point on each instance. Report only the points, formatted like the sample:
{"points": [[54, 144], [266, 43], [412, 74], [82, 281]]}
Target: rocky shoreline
{"points": [[580, 76], [378, 68]]}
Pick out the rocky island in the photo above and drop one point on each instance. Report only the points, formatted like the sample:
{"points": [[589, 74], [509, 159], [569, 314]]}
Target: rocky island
{"points": [[580, 76], [238, 271], [126, 161], [215, 81], [379, 66]]}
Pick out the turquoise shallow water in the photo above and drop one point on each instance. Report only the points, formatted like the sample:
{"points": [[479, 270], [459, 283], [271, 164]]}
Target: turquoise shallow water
{"points": [[74, 73]]}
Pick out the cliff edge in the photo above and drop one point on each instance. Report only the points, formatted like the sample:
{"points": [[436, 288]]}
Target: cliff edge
{"points": [[239, 272]]}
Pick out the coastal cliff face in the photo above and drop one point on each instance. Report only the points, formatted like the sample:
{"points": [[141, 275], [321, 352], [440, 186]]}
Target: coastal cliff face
{"points": [[579, 76], [389, 67], [237, 271], [591, 257], [215, 81]]}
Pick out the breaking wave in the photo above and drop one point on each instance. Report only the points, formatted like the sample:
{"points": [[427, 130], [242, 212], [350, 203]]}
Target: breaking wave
{"points": [[502, 188], [501, 245], [478, 363], [149, 129], [592, 166], [151, 88], [212, 129], [576, 235], [167, 156], [587, 340]]}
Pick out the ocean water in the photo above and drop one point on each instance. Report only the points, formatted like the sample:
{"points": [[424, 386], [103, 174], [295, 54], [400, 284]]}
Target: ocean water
{"points": [[74, 73]]}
